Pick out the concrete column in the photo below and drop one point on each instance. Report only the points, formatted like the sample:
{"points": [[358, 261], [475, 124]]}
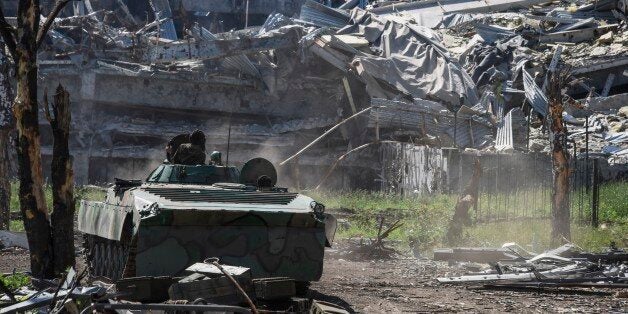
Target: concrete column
{"points": [[85, 105], [80, 164]]}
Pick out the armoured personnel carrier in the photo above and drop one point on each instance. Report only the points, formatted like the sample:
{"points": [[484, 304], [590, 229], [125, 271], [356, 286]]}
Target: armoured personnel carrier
{"points": [[183, 214]]}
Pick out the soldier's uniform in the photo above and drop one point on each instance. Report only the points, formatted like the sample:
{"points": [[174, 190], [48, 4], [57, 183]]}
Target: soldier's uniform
{"points": [[189, 154], [173, 145]]}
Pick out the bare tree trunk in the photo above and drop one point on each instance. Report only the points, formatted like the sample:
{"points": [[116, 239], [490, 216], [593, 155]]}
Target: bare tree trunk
{"points": [[62, 181], [561, 229], [32, 202], [5, 180], [468, 199], [7, 123], [23, 43]]}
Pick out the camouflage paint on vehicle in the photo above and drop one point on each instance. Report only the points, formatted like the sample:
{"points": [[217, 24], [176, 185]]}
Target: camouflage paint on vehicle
{"points": [[275, 233], [251, 240]]}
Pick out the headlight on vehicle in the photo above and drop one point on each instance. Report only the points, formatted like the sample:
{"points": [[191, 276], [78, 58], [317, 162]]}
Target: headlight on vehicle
{"points": [[318, 208]]}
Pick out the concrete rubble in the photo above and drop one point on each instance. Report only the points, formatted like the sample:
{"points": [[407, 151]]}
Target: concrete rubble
{"points": [[513, 267], [271, 77]]}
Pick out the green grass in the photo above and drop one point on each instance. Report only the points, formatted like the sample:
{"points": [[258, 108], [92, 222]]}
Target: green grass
{"points": [[614, 202], [15, 281], [89, 193], [15, 201], [425, 219], [16, 225], [534, 234], [613, 206]]}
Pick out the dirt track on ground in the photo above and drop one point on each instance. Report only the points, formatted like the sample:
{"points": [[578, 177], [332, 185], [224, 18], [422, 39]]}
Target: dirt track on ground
{"points": [[404, 284]]}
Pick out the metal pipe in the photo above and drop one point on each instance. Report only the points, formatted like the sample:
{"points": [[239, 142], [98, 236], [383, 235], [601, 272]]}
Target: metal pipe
{"points": [[347, 154], [214, 262], [325, 134], [246, 18]]}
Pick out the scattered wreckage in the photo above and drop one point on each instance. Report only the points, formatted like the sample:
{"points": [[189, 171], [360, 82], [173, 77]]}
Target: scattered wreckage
{"points": [[210, 287], [455, 78], [513, 267], [510, 56], [469, 75], [159, 243]]}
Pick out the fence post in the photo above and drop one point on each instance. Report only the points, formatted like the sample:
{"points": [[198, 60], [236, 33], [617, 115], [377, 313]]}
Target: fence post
{"points": [[586, 150], [456, 129], [595, 197], [528, 130]]}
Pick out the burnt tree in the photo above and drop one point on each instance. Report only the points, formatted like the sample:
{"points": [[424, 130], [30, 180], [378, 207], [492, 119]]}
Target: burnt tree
{"points": [[5, 183], [561, 229], [23, 43], [6, 127], [468, 199], [62, 218]]}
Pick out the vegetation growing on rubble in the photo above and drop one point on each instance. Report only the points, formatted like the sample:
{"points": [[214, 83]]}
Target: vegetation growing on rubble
{"points": [[15, 281], [425, 221]]}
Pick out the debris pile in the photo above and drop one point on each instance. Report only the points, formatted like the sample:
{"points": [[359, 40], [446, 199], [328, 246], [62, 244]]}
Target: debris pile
{"points": [[208, 287], [443, 75], [443, 78], [510, 56], [512, 267]]}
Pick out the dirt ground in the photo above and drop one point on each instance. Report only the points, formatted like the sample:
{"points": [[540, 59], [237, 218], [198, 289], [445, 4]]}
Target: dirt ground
{"points": [[407, 284]]}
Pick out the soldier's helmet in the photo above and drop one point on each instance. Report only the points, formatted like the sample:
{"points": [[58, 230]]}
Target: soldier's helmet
{"points": [[216, 158], [198, 138]]}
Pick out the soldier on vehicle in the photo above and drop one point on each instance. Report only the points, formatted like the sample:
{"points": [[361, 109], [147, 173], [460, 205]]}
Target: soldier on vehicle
{"points": [[215, 158], [192, 153], [174, 144]]}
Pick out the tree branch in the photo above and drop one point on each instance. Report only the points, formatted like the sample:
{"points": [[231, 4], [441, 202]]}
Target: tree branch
{"points": [[49, 20], [47, 106], [8, 34]]}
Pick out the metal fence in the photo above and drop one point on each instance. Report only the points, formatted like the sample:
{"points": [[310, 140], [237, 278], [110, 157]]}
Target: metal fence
{"points": [[519, 186], [512, 186]]}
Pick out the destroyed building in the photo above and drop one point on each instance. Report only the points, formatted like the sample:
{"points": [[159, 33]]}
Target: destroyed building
{"points": [[269, 77]]}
